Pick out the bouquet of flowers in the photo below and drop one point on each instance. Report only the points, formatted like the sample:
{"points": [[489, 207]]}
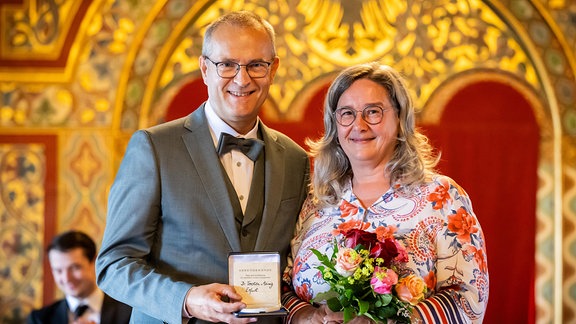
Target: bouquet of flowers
{"points": [[364, 278]]}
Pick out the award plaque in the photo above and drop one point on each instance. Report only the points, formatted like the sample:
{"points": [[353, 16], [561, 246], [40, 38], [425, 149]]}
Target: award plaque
{"points": [[256, 277]]}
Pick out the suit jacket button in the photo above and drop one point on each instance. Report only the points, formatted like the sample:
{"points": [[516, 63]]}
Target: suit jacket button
{"points": [[244, 232]]}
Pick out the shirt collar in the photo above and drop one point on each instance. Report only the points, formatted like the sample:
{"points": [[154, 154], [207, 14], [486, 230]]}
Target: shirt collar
{"points": [[95, 301], [217, 126]]}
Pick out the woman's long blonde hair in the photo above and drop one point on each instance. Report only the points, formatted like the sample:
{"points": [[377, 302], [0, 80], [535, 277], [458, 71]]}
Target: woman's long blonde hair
{"points": [[413, 161]]}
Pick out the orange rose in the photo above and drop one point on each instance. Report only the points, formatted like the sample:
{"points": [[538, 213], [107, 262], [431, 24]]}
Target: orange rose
{"points": [[384, 232], [304, 291], [351, 224], [440, 196], [480, 258], [411, 289], [463, 224], [348, 209], [430, 280]]}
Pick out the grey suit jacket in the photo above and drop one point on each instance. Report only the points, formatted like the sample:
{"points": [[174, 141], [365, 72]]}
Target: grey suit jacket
{"points": [[170, 219]]}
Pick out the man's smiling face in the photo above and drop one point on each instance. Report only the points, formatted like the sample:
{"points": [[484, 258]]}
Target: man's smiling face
{"points": [[238, 100]]}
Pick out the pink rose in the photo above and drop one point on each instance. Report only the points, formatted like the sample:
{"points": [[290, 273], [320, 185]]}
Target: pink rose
{"points": [[411, 289], [383, 280], [347, 261]]}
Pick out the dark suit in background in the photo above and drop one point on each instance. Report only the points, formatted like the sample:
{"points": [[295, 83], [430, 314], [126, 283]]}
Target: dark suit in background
{"points": [[72, 255], [113, 312]]}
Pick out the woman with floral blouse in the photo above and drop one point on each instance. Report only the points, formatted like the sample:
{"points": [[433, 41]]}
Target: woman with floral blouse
{"points": [[375, 172]]}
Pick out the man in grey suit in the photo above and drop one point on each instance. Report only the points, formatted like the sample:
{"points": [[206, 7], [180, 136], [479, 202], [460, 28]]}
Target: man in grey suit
{"points": [[184, 197]]}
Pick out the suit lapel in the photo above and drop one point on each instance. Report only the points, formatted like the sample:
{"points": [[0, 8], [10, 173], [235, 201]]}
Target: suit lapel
{"points": [[273, 184], [257, 193], [201, 149], [61, 314], [108, 312]]}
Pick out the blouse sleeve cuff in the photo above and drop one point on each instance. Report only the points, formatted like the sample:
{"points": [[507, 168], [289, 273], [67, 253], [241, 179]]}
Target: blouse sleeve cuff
{"points": [[440, 308], [292, 303]]}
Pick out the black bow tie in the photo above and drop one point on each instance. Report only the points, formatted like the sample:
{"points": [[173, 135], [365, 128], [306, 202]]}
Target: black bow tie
{"points": [[80, 310], [251, 147]]}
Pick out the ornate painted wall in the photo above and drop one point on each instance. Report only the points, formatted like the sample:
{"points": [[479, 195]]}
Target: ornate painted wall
{"points": [[77, 77]]}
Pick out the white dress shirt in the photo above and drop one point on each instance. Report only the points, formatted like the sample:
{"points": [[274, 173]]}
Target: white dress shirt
{"points": [[94, 301], [238, 166]]}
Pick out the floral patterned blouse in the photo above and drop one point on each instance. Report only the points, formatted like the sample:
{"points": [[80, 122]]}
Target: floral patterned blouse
{"points": [[436, 225]]}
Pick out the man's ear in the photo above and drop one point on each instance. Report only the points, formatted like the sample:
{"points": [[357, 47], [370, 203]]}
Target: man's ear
{"points": [[274, 67], [203, 67]]}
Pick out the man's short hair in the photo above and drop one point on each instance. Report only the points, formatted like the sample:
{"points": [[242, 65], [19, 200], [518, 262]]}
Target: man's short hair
{"points": [[71, 240], [240, 19]]}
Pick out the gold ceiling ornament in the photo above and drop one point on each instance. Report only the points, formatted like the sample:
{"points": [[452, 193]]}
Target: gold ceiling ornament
{"points": [[36, 29], [428, 42], [351, 31]]}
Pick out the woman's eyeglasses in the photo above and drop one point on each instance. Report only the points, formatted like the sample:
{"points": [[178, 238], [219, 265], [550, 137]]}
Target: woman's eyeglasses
{"points": [[372, 115]]}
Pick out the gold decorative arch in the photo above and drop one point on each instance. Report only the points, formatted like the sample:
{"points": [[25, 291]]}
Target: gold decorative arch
{"points": [[125, 59]]}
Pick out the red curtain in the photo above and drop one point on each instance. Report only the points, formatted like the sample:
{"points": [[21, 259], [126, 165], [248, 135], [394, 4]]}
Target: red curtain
{"points": [[489, 141], [194, 93]]}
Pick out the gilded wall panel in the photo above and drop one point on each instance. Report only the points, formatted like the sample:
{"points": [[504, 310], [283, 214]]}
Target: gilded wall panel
{"points": [[24, 176], [128, 58]]}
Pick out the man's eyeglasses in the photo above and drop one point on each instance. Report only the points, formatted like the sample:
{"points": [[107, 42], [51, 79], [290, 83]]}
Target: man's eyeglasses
{"points": [[229, 70], [372, 115]]}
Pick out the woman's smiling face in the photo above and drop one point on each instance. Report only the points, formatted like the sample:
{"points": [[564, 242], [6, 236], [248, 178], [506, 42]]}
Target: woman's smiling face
{"points": [[362, 142]]}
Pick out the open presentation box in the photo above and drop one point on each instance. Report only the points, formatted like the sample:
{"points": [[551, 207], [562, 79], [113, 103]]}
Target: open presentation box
{"points": [[256, 277]]}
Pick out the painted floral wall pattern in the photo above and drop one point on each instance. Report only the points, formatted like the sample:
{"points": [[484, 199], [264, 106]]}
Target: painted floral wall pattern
{"points": [[90, 72]]}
